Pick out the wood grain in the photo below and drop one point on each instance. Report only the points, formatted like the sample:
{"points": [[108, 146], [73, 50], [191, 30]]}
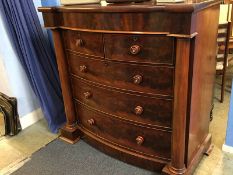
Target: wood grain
{"points": [[157, 112], [141, 77], [152, 48], [157, 80], [125, 134], [177, 165], [92, 43], [64, 78]]}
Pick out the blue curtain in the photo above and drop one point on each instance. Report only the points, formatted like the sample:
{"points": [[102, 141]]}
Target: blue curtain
{"points": [[37, 57]]}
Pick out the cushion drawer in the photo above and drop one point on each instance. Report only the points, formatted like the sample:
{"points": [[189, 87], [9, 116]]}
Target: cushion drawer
{"points": [[152, 142], [139, 48], [140, 109], [132, 77], [84, 42]]}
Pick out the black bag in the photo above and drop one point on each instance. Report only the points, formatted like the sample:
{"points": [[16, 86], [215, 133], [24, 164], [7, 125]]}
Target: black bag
{"points": [[2, 122], [8, 108]]}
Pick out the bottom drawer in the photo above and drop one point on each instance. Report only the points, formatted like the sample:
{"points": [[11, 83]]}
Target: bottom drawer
{"points": [[149, 141]]}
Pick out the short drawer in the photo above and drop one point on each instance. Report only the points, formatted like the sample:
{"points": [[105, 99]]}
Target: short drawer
{"points": [[131, 77], [139, 48], [144, 110], [84, 42], [152, 142]]}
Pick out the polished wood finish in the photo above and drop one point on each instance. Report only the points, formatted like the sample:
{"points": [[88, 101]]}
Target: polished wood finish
{"points": [[203, 79], [128, 156], [140, 48], [137, 79], [69, 131], [84, 42], [126, 134], [64, 78], [70, 135], [177, 165], [138, 108], [141, 77], [121, 75], [139, 140]]}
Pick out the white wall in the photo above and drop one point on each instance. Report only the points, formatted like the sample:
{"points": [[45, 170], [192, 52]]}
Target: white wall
{"points": [[4, 82]]}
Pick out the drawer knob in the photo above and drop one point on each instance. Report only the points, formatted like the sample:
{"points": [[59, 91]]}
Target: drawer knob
{"points": [[137, 79], [135, 49], [138, 110], [83, 68], [91, 121], [87, 95], [79, 43], [139, 140]]}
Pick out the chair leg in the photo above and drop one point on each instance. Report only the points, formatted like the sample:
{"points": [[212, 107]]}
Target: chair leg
{"points": [[223, 80], [225, 62], [223, 88]]}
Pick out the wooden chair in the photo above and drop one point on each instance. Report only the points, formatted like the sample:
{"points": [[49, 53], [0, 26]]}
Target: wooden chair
{"points": [[222, 53], [229, 14]]}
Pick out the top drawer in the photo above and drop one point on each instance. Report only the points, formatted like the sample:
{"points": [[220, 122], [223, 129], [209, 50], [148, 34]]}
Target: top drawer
{"points": [[139, 48], [84, 42]]}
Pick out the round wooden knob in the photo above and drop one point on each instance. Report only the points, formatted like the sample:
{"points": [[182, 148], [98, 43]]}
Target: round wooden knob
{"points": [[87, 95], [138, 110], [137, 79], [139, 140], [83, 68], [135, 49], [91, 121], [222, 47], [79, 43]]}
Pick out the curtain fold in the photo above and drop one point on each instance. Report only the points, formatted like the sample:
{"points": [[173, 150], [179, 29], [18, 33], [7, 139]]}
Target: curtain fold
{"points": [[36, 56]]}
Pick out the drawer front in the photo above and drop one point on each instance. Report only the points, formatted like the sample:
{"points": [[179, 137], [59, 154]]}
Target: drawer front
{"points": [[132, 77], [84, 42], [148, 141], [144, 110], [139, 48]]}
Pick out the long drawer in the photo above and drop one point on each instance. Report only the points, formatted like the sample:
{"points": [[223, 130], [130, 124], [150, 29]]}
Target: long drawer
{"points": [[151, 142], [157, 80], [153, 49], [137, 108]]}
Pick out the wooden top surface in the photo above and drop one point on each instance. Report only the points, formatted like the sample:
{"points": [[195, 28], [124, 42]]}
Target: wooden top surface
{"points": [[148, 6]]}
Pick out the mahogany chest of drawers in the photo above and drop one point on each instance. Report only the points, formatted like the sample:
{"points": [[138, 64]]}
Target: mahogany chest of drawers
{"points": [[137, 79]]}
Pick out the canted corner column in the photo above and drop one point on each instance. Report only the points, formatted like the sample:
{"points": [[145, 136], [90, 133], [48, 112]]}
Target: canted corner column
{"points": [[69, 132], [177, 164]]}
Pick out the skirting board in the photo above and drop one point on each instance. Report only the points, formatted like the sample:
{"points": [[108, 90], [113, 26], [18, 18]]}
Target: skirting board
{"points": [[31, 118], [228, 149]]}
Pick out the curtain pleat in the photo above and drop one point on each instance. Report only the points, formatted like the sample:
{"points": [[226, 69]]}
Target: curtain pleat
{"points": [[36, 56]]}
